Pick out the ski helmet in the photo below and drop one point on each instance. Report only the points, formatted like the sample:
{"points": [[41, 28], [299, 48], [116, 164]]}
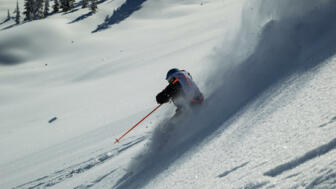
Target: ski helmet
{"points": [[171, 72]]}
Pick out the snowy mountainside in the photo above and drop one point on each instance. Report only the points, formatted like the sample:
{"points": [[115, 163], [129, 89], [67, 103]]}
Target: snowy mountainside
{"points": [[266, 68]]}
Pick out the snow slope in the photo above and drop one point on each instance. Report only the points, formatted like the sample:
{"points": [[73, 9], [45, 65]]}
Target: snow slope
{"points": [[285, 139], [266, 68]]}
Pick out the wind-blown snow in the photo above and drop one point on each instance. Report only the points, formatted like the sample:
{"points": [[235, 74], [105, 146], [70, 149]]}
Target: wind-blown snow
{"points": [[266, 68]]}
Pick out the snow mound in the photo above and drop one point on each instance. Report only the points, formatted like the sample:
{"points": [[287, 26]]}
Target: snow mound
{"points": [[19, 47]]}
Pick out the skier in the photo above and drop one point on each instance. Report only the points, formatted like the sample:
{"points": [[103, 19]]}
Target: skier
{"points": [[182, 90]]}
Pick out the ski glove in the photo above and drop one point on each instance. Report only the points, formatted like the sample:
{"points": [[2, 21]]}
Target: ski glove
{"points": [[162, 97], [170, 92]]}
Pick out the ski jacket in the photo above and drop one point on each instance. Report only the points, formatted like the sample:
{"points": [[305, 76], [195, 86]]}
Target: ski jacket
{"points": [[183, 91]]}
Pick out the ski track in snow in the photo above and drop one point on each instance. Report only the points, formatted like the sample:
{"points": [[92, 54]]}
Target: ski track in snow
{"points": [[255, 185], [69, 172], [93, 183], [326, 180], [232, 170], [329, 122], [319, 151]]}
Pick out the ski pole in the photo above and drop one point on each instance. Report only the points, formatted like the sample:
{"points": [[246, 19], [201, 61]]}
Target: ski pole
{"points": [[118, 139]]}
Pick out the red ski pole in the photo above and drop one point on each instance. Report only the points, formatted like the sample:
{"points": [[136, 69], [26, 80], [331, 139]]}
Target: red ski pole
{"points": [[118, 139]]}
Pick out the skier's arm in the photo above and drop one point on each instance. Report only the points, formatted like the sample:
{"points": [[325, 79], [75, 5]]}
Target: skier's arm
{"points": [[171, 91]]}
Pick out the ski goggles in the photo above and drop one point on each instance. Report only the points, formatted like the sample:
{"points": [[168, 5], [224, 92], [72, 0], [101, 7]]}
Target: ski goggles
{"points": [[171, 79]]}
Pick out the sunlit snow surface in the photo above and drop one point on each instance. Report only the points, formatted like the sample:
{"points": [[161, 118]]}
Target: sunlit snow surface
{"points": [[267, 69]]}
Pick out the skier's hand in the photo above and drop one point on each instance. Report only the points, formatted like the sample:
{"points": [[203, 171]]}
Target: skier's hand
{"points": [[162, 98]]}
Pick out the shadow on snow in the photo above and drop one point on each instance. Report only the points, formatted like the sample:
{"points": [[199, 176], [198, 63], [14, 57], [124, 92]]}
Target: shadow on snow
{"points": [[84, 16], [120, 14]]}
